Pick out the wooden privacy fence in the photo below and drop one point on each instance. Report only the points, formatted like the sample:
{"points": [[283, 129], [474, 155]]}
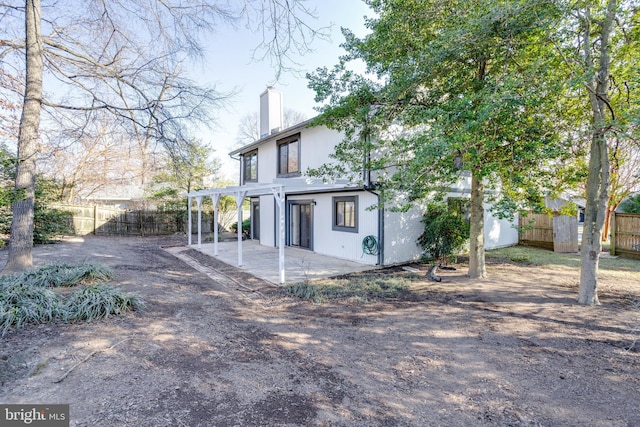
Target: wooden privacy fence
{"points": [[107, 220], [558, 233], [625, 235], [536, 230]]}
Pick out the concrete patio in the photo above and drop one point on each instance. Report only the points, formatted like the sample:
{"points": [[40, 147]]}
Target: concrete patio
{"points": [[263, 262]]}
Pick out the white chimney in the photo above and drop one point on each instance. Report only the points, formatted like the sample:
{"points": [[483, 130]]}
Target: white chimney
{"points": [[270, 112]]}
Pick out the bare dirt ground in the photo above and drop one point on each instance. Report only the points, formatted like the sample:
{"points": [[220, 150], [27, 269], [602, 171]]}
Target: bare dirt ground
{"points": [[513, 350]]}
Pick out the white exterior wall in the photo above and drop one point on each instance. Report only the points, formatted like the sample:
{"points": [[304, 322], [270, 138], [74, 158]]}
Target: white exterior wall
{"points": [[498, 233], [401, 231], [316, 144], [342, 244], [268, 220], [267, 162]]}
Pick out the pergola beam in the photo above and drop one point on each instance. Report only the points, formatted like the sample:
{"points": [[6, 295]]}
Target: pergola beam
{"points": [[278, 189], [215, 198], [279, 194], [240, 195], [199, 202]]}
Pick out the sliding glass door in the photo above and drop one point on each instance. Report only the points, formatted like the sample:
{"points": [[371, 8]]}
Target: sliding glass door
{"points": [[301, 224]]}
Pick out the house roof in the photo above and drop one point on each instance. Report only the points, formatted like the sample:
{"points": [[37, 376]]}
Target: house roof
{"points": [[278, 135]]}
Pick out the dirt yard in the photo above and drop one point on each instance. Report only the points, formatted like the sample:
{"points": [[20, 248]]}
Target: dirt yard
{"points": [[513, 350]]}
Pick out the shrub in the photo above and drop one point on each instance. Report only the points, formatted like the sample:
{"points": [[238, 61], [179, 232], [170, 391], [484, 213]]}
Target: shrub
{"points": [[99, 301], [49, 224], [631, 205], [28, 298], [22, 304], [444, 232], [62, 274], [246, 226]]}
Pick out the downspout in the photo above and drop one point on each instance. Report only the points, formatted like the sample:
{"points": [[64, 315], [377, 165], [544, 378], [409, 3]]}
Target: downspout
{"points": [[368, 187], [380, 260]]}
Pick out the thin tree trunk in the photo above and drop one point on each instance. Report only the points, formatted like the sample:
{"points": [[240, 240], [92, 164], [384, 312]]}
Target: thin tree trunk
{"points": [[597, 183], [607, 222], [476, 247], [598, 179], [21, 239]]}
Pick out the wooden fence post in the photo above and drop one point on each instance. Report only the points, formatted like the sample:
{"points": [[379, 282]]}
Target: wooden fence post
{"points": [[95, 218], [612, 229]]}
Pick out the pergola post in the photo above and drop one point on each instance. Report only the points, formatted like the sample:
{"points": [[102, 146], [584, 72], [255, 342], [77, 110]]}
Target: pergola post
{"points": [[189, 221], [199, 202], [215, 198], [278, 193], [240, 195]]}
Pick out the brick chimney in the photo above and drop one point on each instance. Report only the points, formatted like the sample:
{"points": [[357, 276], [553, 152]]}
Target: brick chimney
{"points": [[270, 112]]}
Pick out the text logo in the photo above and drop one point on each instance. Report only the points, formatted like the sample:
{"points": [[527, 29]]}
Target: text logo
{"points": [[34, 415]]}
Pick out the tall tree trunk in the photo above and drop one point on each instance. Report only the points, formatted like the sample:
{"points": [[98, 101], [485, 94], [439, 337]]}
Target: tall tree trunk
{"points": [[477, 268], [21, 239], [607, 221], [598, 180], [594, 217]]}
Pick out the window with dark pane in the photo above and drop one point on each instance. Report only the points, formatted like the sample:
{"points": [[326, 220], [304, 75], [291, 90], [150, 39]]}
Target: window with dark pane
{"points": [[250, 167], [289, 156], [345, 213]]}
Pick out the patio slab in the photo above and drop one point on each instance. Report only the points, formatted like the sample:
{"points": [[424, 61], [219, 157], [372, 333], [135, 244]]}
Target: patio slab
{"points": [[263, 261]]}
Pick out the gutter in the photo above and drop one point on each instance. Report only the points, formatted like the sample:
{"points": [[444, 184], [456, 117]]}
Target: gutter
{"points": [[369, 189]]}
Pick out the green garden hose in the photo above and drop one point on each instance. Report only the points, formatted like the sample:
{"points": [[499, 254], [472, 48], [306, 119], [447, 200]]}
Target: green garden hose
{"points": [[370, 245]]}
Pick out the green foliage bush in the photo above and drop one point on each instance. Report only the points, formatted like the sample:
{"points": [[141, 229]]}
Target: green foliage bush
{"points": [[246, 226], [48, 223], [21, 304], [445, 232], [631, 205], [99, 301], [30, 297], [62, 274]]}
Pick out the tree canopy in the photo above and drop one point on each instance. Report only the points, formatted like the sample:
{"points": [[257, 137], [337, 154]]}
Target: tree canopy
{"points": [[455, 90], [78, 58]]}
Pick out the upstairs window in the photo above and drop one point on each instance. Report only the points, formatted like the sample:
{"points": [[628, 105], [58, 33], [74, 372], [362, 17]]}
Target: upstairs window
{"points": [[289, 156], [345, 214], [250, 166]]}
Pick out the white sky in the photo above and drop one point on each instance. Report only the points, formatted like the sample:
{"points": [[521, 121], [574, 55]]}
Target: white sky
{"points": [[228, 66]]}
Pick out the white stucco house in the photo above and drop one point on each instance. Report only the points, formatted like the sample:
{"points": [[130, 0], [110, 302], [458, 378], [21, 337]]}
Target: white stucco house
{"points": [[289, 209]]}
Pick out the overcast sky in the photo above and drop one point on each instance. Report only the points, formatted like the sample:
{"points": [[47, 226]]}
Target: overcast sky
{"points": [[228, 65]]}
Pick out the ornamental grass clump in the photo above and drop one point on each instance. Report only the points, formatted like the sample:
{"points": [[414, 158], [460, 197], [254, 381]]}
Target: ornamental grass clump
{"points": [[356, 289], [22, 304], [62, 274], [34, 297], [99, 301]]}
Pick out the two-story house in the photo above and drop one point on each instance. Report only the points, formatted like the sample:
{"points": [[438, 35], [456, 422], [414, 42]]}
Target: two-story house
{"points": [[333, 219]]}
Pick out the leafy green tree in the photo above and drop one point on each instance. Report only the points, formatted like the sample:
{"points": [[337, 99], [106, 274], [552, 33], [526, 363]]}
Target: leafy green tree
{"points": [[599, 43], [445, 232], [454, 90], [192, 168]]}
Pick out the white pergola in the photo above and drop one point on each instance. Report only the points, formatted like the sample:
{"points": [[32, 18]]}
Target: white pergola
{"points": [[277, 189]]}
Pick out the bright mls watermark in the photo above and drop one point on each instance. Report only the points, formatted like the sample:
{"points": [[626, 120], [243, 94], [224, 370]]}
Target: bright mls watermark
{"points": [[34, 415]]}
